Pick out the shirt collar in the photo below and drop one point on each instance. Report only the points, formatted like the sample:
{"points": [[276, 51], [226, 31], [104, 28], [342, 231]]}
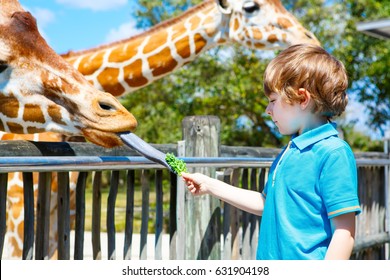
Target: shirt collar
{"points": [[315, 135]]}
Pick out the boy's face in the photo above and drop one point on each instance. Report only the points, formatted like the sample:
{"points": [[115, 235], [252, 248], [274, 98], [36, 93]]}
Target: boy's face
{"points": [[289, 118]]}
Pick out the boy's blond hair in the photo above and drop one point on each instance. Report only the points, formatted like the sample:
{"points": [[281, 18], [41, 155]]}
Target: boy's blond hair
{"points": [[312, 68]]}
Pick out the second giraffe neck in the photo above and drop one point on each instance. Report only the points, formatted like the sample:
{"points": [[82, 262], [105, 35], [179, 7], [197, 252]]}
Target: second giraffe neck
{"points": [[130, 64]]}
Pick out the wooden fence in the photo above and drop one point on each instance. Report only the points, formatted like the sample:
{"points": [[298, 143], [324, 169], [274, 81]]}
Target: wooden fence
{"points": [[198, 227]]}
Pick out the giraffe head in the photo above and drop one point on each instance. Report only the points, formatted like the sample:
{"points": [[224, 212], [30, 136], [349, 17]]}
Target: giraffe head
{"points": [[263, 24], [40, 91]]}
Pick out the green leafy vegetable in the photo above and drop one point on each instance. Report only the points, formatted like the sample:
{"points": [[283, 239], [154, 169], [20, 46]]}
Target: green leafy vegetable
{"points": [[177, 165]]}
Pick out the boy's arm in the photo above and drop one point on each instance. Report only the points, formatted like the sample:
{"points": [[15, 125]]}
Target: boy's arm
{"points": [[247, 200], [341, 245]]}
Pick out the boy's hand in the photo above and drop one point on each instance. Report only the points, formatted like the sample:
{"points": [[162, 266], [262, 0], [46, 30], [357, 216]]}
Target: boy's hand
{"points": [[196, 183]]}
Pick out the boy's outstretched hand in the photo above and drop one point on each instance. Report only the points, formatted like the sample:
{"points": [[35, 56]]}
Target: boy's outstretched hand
{"points": [[196, 182]]}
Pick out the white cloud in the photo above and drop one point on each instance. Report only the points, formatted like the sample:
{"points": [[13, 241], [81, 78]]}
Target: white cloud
{"points": [[124, 31], [95, 5]]}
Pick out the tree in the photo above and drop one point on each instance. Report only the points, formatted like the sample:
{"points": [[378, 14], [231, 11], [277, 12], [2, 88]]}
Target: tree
{"points": [[367, 59]]}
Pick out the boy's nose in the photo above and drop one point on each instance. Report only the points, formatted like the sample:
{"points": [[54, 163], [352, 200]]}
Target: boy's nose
{"points": [[268, 110]]}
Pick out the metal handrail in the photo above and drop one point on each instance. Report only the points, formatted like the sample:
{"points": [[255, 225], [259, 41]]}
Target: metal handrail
{"points": [[95, 163], [85, 163]]}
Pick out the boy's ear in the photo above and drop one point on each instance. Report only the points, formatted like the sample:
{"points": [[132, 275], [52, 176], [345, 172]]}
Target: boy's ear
{"points": [[305, 98]]}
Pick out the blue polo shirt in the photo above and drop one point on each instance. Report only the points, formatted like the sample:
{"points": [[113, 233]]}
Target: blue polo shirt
{"points": [[312, 180]]}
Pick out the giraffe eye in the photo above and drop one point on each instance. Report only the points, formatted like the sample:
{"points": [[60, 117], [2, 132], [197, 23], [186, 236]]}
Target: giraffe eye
{"points": [[106, 107], [250, 7]]}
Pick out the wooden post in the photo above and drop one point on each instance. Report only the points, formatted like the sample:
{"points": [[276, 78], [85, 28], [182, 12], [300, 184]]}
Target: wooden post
{"points": [[386, 150], [63, 220], [43, 216], [159, 215], [96, 215], [111, 200], [29, 216], [145, 185], [80, 216], [179, 236], [129, 215], [3, 210], [202, 213]]}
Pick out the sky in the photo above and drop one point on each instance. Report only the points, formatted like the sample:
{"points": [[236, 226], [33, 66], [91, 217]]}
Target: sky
{"points": [[82, 24]]}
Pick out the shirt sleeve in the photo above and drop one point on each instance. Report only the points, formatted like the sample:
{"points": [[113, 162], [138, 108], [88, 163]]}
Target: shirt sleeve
{"points": [[338, 183]]}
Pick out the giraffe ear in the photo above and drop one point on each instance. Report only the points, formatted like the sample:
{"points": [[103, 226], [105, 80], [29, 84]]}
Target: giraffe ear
{"points": [[224, 6]]}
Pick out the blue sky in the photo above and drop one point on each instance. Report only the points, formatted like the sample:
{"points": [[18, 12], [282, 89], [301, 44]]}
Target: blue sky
{"points": [[81, 24]]}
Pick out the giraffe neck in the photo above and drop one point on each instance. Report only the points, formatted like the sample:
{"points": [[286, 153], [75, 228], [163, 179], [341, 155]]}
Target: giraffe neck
{"points": [[128, 65]]}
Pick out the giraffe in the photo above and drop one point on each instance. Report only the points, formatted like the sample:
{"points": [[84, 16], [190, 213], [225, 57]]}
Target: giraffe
{"points": [[41, 92], [127, 65]]}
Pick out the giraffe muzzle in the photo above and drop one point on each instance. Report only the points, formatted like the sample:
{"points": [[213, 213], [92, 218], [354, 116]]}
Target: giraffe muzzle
{"points": [[107, 118]]}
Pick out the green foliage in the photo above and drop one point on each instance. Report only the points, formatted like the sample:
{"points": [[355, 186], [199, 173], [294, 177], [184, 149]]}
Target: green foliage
{"points": [[177, 165], [152, 12], [366, 58], [368, 61], [359, 141], [227, 81]]}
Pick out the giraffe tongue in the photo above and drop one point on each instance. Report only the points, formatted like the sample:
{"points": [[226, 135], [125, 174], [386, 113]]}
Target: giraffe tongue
{"points": [[145, 149]]}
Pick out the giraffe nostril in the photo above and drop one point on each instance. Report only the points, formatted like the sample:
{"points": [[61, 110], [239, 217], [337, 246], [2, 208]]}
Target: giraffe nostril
{"points": [[106, 107]]}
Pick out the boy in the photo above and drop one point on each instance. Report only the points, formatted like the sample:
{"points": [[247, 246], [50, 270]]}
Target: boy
{"points": [[309, 203]]}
